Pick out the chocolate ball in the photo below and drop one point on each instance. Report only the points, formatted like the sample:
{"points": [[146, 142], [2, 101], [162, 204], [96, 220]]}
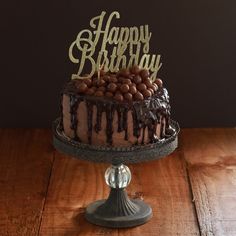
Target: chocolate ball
{"points": [[113, 79], [118, 92], [158, 82], [120, 79], [131, 77], [137, 79], [112, 87], [135, 69], [146, 93], [126, 81], [151, 90], [118, 97], [106, 78], [90, 91], [128, 96], [147, 82], [138, 96], [101, 82], [109, 94], [132, 89], [95, 81], [102, 88], [141, 87], [82, 87], [88, 82], [124, 72], [154, 87], [98, 93], [124, 88], [144, 73], [94, 88]]}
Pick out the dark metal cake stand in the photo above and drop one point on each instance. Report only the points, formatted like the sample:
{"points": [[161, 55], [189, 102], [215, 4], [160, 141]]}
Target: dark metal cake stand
{"points": [[118, 211]]}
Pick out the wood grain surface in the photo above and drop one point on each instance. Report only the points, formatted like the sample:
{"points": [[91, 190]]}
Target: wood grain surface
{"points": [[26, 158], [211, 160], [192, 191]]}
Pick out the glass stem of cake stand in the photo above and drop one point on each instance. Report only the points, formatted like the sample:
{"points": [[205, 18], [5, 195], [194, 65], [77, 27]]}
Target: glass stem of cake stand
{"points": [[118, 211], [118, 177]]}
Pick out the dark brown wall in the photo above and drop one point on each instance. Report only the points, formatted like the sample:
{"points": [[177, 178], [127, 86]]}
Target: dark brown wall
{"points": [[195, 38]]}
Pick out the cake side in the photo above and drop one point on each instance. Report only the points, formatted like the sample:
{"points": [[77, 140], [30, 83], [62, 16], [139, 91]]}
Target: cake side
{"points": [[121, 109]]}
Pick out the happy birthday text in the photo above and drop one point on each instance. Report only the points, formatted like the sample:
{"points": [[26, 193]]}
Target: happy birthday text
{"points": [[130, 46]]}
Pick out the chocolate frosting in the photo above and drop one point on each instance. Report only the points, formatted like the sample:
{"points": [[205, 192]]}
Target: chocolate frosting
{"points": [[146, 114]]}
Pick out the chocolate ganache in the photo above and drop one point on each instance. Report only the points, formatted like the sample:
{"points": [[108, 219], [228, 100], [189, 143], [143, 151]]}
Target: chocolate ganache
{"points": [[117, 109]]}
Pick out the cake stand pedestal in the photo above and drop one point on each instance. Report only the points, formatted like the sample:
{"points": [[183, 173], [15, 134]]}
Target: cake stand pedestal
{"points": [[117, 211]]}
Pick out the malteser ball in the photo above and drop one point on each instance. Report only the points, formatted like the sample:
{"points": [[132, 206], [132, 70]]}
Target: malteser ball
{"points": [[111, 87], [101, 82], [102, 88], [158, 82], [124, 72], [132, 89], [151, 90], [124, 88], [118, 85], [147, 82], [94, 88], [118, 97], [106, 78], [141, 87], [126, 81], [109, 94], [146, 93], [82, 87], [88, 82], [128, 96], [113, 79], [98, 93], [137, 79], [134, 69], [138, 96], [90, 91], [144, 73], [154, 87]]}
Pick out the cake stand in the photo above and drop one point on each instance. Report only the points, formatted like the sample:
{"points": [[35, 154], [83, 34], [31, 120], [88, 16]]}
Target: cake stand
{"points": [[117, 211]]}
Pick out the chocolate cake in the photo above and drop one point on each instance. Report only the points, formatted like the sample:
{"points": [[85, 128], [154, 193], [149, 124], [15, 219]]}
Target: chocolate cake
{"points": [[116, 109]]}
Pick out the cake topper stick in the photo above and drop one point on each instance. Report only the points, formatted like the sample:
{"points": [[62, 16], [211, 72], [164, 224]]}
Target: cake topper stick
{"points": [[100, 67]]}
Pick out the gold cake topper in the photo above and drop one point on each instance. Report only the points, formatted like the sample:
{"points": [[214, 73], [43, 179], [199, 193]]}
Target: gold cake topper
{"points": [[127, 45]]}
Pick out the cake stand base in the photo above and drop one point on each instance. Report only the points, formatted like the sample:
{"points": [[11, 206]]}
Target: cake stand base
{"points": [[118, 211]]}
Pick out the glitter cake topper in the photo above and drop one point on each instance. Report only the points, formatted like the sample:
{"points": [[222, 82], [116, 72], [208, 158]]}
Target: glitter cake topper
{"points": [[127, 45]]}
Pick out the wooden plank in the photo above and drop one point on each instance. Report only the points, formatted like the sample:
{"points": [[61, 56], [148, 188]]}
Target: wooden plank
{"points": [[162, 183], [211, 158], [25, 164]]}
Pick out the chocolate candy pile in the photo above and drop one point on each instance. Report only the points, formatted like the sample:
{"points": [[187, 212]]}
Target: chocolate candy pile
{"points": [[127, 84]]}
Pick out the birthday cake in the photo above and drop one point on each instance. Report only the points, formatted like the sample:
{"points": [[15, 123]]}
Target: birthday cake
{"points": [[111, 106]]}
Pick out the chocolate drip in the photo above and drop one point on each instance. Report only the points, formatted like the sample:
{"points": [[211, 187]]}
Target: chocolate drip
{"points": [[99, 117], [136, 128], [109, 117], [145, 114], [119, 115], [125, 122], [74, 103], [90, 120]]}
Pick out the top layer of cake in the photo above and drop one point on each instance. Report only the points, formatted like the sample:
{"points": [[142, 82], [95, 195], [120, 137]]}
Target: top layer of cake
{"points": [[132, 104]]}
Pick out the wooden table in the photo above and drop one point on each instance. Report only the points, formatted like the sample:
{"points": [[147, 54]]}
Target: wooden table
{"points": [[192, 192]]}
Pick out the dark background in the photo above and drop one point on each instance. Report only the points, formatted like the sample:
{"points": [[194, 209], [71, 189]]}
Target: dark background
{"points": [[197, 41]]}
